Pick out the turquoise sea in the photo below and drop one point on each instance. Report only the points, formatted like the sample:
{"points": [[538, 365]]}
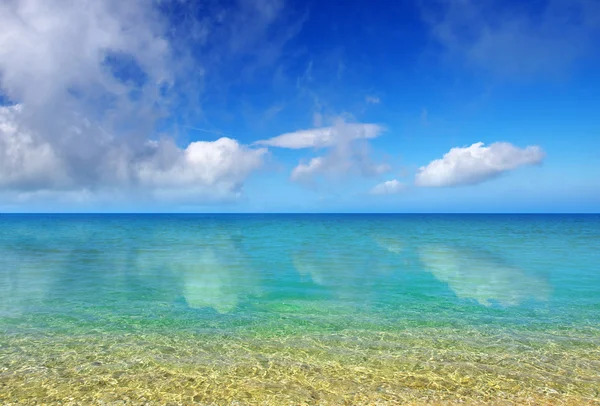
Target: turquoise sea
{"points": [[299, 309]]}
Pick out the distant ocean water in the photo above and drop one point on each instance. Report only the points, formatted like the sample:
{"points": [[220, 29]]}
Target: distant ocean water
{"points": [[299, 309]]}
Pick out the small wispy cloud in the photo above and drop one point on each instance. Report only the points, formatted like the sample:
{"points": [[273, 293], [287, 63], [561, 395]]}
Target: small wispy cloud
{"points": [[204, 130], [324, 136], [390, 187], [339, 163], [273, 111], [424, 117], [372, 100]]}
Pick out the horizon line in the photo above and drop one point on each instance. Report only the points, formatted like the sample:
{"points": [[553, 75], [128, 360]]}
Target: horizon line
{"points": [[301, 213]]}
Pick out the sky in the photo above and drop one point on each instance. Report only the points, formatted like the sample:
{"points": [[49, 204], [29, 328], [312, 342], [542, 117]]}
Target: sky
{"points": [[299, 106]]}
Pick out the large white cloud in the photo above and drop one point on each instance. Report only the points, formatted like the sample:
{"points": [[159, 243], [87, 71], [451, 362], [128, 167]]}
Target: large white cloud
{"points": [[26, 161], [48, 50], [324, 137], [476, 164], [84, 123], [202, 169]]}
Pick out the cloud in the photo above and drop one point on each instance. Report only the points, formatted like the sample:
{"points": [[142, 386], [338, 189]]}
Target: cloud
{"points": [[26, 161], [273, 111], [218, 168], [390, 187], [342, 161], [324, 137], [476, 164], [348, 153], [516, 39], [93, 81], [372, 100], [348, 150], [424, 117]]}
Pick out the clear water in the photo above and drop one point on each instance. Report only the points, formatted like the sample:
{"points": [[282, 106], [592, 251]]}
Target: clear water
{"points": [[292, 309]]}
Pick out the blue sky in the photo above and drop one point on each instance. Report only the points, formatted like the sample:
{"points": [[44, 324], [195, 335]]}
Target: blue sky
{"points": [[282, 106]]}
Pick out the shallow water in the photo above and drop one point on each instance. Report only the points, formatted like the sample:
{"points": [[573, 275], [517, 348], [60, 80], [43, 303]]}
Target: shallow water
{"points": [[299, 309]]}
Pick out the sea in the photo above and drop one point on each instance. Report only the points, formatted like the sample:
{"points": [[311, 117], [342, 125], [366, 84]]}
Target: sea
{"points": [[293, 309]]}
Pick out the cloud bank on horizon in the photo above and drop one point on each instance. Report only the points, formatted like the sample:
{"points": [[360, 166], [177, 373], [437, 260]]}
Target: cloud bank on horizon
{"points": [[99, 100]]}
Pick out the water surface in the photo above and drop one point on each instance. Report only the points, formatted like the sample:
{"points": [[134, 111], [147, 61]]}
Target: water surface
{"points": [[299, 309]]}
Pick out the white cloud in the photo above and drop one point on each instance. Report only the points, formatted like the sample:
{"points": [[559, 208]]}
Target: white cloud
{"points": [[202, 169], [26, 161], [349, 152], [390, 187], [339, 164], [324, 137], [305, 171], [48, 50], [476, 164], [81, 127], [372, 100], [216, 168]]}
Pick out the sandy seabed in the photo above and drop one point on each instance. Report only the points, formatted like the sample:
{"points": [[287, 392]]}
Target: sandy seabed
{"points": [[416, 366]]}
